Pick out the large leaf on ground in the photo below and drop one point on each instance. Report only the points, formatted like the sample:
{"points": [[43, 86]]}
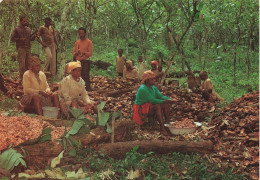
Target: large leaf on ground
{"points": [[11, 158], [109, 129], [46, 135], [75, 127], [103, 118], [117, 114], [101, 105], [76, 112], [55, 161]]}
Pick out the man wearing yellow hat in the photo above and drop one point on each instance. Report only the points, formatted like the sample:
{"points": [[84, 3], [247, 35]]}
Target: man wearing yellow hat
{"points": [[72, 92]]}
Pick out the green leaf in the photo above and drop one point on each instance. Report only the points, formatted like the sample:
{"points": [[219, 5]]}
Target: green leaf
{"points": [[46, 135], [200, 6], [84, 130], [29, 176], [117, 114], [109, 130], [11, 158], [45, 138], [55, 161], [103, 117], [101, 105], [81, 117], [213, 45], [135, 148], [46, 131], [73, 141], [64, 143], [76, 112], [73, 152], [75, 127]]}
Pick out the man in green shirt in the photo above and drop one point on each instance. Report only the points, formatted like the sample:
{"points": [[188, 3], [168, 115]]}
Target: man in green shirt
{"points": [[150, 102]]}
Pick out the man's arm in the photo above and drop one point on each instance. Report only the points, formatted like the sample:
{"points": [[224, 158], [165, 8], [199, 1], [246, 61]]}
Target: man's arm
{"points": [[75, 51], [39, 33], [15, 36], [33, 35]]}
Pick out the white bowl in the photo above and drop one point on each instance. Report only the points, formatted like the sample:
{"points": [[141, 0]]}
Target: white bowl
{"points": [[51, 112], [178, 131]]}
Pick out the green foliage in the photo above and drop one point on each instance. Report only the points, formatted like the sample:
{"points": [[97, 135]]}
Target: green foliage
{"points": [[7, 103], [81, 125], [46, 135], [10, 159], [104, 118], [170, 166]]}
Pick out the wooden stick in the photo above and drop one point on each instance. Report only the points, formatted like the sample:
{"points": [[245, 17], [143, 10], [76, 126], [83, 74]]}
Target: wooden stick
{"points": [[113, 130]]}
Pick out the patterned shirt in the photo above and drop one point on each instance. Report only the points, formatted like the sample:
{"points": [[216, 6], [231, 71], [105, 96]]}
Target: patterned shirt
{"points": [[47, 35]]}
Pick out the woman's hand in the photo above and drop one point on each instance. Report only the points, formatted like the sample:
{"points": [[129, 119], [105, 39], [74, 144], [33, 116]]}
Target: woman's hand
{"points": [[45, 94]]}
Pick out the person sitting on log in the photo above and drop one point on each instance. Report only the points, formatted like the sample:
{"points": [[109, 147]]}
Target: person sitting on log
{"points": [[129, 72], [157, 70], [72, 92], [149, 102], [207, 88], [36, 89]]}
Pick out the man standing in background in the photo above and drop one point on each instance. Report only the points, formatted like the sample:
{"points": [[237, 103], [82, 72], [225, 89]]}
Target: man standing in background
{"points": [[141, 67], [120, 62], [83, 49], [22, 37], [46, 32]]}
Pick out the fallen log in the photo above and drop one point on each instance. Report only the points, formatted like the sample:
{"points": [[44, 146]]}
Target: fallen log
{"points": [[40, 154], [119, 149]]}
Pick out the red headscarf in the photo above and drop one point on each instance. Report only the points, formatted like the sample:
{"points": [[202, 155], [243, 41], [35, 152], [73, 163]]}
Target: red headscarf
{"points": [[147, 75], [154, 62]]}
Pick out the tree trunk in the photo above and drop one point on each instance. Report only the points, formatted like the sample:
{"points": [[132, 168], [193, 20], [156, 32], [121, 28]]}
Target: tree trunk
{"points": [[1, 56], [119, 149], [41, 154], [64, 18], [234, 67]]}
